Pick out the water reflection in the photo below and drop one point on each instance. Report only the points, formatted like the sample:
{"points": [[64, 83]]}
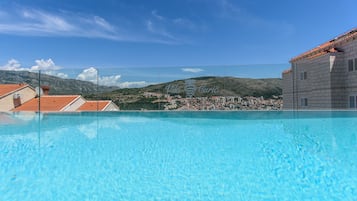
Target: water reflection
{"points": [[312, 131]]}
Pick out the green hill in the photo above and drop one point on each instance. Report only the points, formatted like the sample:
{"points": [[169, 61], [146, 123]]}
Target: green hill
{"points": [[152, 97], [138, 98], [225, 86]]}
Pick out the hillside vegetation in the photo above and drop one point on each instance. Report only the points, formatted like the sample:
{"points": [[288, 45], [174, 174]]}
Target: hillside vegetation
{"points": [[152, 97], [137, 98]]}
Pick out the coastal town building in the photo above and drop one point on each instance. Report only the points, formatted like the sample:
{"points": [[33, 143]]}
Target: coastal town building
{"points": [[52, 103], [100, 105], [22, 97], [324, 77], [13, 95], [224, 103]]}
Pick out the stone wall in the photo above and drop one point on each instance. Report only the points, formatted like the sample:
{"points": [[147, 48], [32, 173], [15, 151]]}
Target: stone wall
{"points": [[338, 81], [351, 77], [328, 83], [287, 85]]}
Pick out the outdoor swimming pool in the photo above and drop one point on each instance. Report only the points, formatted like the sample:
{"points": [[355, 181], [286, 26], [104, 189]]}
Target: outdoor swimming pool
{"points": [[179, 156]]}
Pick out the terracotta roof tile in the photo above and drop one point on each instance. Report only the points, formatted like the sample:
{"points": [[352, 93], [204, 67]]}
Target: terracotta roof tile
{"points": [[287, 71], [6, 89], [94, 106], [327, 47], [48, 103]]}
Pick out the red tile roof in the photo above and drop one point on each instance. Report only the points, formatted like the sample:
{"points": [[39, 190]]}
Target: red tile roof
{"points": [[6, 89], [287, 71], [327, 47], [48, 103], [94, 106]]}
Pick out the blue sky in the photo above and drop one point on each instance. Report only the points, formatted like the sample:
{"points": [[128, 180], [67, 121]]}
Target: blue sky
{"points": [[115, 34]]}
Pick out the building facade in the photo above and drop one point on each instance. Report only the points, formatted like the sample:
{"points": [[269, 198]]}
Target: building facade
{"points": [[22, 97], [324, 77], [13, 95]]}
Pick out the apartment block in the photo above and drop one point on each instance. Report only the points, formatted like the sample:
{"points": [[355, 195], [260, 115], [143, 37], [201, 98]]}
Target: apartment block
{"points": [[324, 77]]}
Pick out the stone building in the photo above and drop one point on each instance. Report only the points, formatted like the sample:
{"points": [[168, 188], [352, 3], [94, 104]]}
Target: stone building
{"points": [[324, 77]]}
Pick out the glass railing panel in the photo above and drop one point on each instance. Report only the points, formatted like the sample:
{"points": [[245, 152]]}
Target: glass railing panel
{"points": [[69, 81], [230, 87], [133, 89], [68, 89], [236, 87], [47, 90]]}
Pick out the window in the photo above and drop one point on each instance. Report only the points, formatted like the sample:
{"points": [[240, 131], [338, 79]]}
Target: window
{"points": [[303, 102], [350, 65], [303, 75], [352, 102]]}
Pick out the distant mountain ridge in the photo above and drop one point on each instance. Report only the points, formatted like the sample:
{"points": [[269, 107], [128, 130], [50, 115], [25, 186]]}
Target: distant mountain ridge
{"points": [[205, 86], [229, 86], [57, 85], [218, 86], [150, 97]]}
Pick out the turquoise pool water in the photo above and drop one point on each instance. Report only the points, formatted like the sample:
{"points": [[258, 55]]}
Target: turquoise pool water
{"points": [[179, 156]]}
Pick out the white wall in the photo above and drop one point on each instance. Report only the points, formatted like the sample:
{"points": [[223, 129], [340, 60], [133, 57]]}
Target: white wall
{"points": [[7, 102]]}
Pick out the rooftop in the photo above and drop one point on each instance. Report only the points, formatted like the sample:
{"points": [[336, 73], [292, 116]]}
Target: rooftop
{"points": [[48, 103], [94, 105], [287, 71], [6, 89], [329, 46]]}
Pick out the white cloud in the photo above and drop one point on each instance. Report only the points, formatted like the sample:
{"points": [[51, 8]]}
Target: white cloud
{"points": [[55, 73], [46, 65], [103, 23], [134, 84], [62, 75], [12, 64], [42, 23], [157, 16], [149, 26], [159, 25], [192, 70], [112, 80], [91, 75], [49, 21], [185, 23], [171, 29], [36, 22]]}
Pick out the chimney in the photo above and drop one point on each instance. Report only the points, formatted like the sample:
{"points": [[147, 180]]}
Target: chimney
{"points": [[45, 90], [17, 100]]}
